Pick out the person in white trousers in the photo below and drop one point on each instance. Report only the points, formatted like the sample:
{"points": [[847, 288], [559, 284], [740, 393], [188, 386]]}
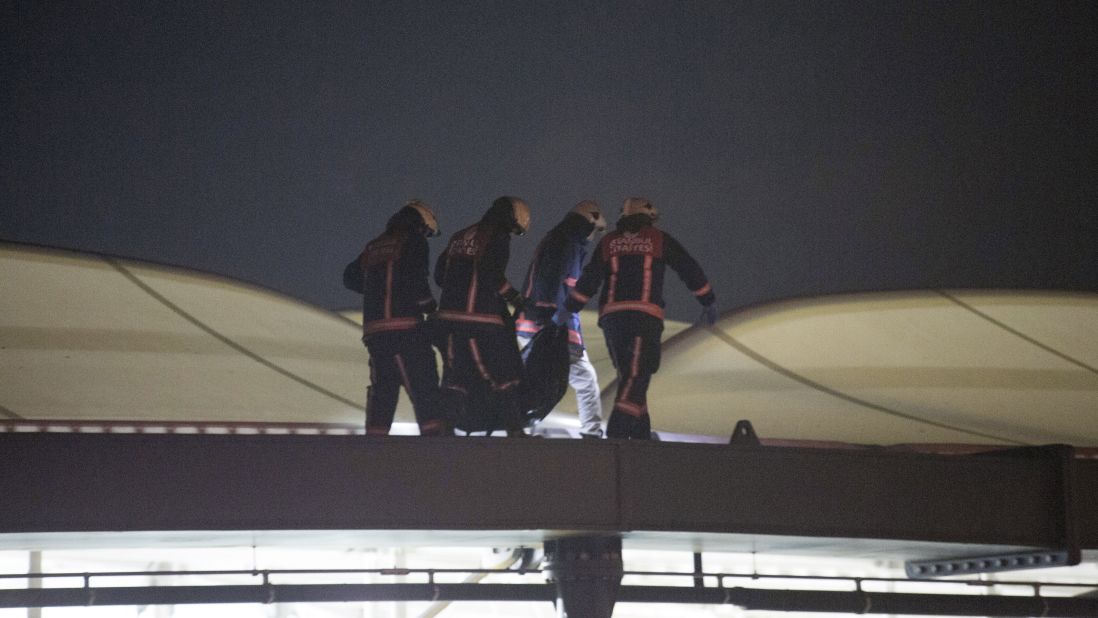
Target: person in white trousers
{"points": [[556, 265]]}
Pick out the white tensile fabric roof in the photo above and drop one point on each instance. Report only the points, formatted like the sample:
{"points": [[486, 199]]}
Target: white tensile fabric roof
{"points": [[978, 367], [84, 337]]}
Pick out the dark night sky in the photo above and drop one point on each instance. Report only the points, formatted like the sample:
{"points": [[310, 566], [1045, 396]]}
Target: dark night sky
{"points": [[795, 148]]}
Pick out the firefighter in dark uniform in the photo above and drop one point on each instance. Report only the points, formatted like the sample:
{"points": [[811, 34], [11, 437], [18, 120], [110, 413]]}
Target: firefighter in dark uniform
{"points": [[473, 328], [553, 272], [392, 275], [629, 267]]}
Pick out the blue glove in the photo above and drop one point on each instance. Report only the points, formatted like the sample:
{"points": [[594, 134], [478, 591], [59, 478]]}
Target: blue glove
{"points": [[562, 318], [709, 315]]}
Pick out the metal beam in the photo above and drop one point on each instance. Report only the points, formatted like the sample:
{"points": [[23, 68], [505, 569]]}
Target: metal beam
{"points": [[54, 482]]}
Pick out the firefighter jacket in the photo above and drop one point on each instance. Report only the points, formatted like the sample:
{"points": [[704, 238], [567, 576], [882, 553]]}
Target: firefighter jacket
{"points": [[630, 262], [472, 275], [553, 272], [391, 274]]}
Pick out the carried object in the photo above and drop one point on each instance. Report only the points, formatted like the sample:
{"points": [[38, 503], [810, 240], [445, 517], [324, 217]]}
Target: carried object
{"points": [[545, 373]]}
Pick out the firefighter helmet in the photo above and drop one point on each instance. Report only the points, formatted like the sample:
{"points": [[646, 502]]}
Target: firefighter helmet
{"points": [[512, 212], [639, 206], [589, 209], [430, 223]]}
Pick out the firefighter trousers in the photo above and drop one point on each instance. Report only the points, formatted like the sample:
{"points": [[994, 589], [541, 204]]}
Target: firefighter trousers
{"points": [[482, 370], [633, 340], [403, 358]]}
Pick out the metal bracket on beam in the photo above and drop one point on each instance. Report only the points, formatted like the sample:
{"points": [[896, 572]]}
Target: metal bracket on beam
{"points": [[919, 569], [587, 571], [744, 435], [1062, 515]]}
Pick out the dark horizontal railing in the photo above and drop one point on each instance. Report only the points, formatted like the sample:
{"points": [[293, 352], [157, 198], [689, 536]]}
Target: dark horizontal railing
{"points": [[858, 601]]}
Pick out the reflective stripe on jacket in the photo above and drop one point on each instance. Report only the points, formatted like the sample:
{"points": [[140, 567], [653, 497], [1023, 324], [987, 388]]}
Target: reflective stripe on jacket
{"points": [[629, 268], [391, 274], [472, 275]]}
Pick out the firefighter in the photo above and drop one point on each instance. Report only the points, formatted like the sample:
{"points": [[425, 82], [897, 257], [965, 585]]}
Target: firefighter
{"points": [[391, 273], [473, 327], [553, 271], [629, 267]]}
